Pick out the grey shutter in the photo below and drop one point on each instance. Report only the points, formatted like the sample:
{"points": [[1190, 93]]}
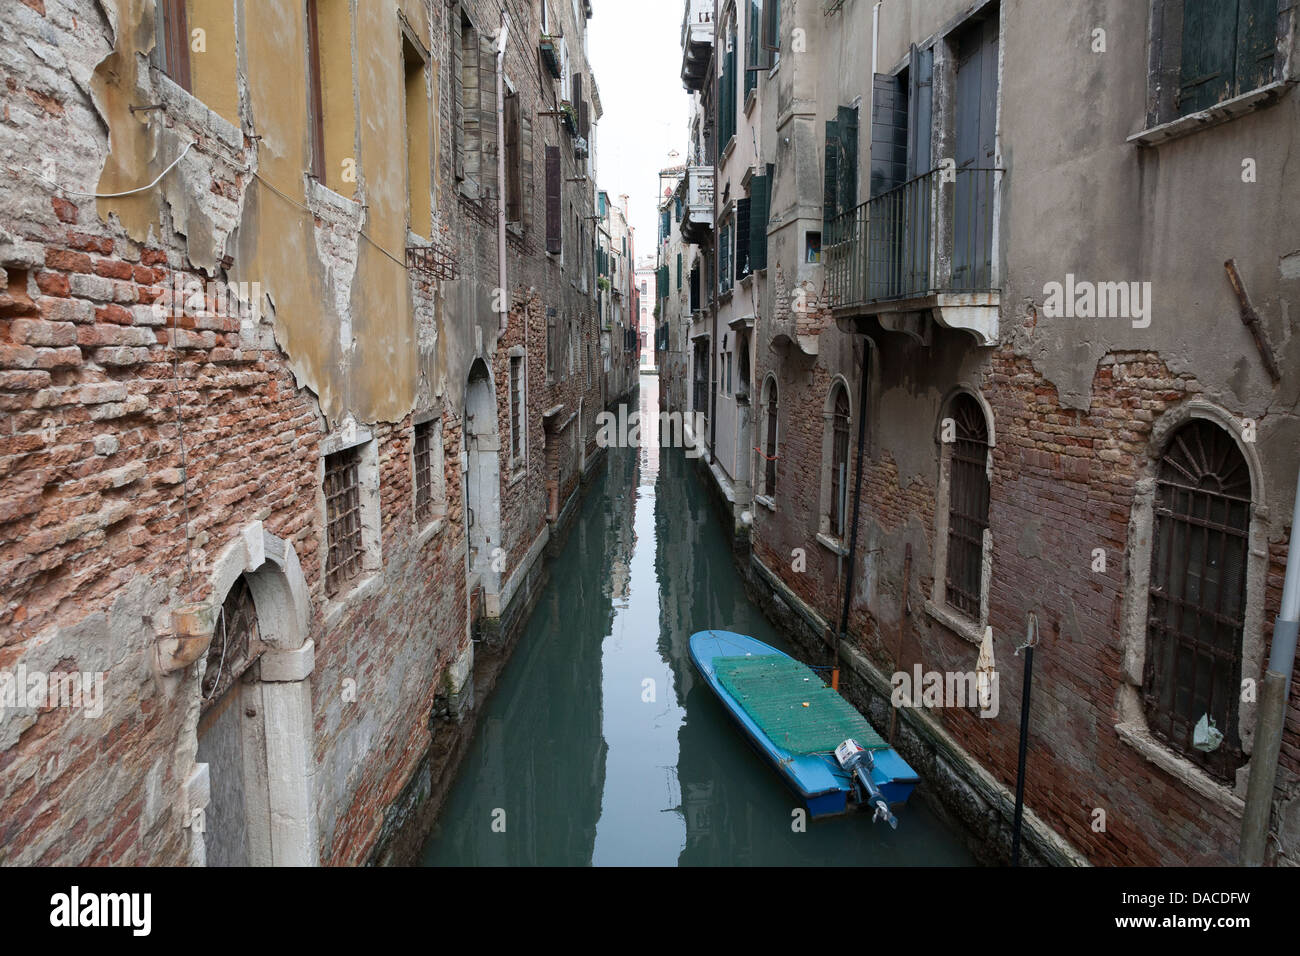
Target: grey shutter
{"points": [[920, 112], [743, 267], [758, 212], [554, 211], [771, 25], [487, 92], [470, 119]]}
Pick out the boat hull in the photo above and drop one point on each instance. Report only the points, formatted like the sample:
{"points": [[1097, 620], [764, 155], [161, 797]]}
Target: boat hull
{"points": [[825, 789]]}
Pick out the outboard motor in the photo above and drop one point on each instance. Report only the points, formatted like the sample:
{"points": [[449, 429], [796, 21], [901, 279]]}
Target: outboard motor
{"points": [[858, 763]]}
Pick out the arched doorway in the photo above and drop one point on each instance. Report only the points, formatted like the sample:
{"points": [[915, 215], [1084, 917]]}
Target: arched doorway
{"points": [[483, 475], [232, 738]]}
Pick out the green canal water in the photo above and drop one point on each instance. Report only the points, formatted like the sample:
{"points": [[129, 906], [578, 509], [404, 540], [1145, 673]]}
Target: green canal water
{"points": [[601, 745]]}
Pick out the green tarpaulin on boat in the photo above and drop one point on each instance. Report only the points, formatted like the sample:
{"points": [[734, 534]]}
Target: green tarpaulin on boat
{"points": [[773, 689]]}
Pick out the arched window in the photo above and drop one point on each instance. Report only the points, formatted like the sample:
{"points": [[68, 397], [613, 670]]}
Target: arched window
{"points": [[966, 433], [770, 409], [839, 460], [1197, 605]]}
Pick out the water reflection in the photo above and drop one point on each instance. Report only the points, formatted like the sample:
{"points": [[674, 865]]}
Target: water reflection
{"points": [[601, 744]]}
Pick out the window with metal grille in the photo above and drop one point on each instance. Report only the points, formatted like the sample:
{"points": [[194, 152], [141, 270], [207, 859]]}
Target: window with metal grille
{"points": [[968, 505], [1197, 605], [550, 344], [839, 459], [769, 453], [428, 470], [342, 518], [516, 407]]}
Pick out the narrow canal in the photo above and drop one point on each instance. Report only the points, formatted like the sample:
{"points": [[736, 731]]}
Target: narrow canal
{"points": [[601, 745]]}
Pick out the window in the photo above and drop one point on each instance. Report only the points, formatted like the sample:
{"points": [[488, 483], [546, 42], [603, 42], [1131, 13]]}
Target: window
{"points": [[755, 55], [343, 560], [552, 344], [517, 408], [968, 504], [314, 92], [1225, 48], [430, 481], [725, 235], [743, 267], [772, 29], [418, 151], [839, 460], [172, 46], [1197, 602], [726, 92], [769, 440], [840, 182], [554, 203]]}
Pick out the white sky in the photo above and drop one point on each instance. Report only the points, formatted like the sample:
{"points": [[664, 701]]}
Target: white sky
{"points": [[635, 52]]}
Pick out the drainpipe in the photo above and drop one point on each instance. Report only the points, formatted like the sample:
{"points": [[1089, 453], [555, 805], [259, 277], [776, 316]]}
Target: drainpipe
{"points": [[501, 170], [717, 274], [1272, 709]]}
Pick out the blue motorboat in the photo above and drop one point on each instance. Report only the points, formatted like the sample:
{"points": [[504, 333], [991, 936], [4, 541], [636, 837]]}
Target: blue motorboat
{"points": [[825, 750]]}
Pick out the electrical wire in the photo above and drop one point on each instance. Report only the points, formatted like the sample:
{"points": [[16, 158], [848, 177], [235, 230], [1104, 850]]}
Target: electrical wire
{"points": [[129, 192]]}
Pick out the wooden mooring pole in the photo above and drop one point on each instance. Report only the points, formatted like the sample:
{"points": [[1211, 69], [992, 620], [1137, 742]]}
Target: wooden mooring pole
{"points": [[1031, 639]]}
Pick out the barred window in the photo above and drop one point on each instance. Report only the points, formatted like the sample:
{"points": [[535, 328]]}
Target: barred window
{"points": [[1196, 611], [516, 407], [839, 460], [342, 518], [968, 505], [430, 484]]}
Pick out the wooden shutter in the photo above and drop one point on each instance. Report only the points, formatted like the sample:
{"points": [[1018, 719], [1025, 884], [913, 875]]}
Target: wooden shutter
{"points": [[1209, 53], [679, 272], [487, 96], [514, 184], [526, 166], [831, 178], [554, 211], [758, 212], [848, 159], [1256, 43], [920, 111], [743, 267], [771, 25]]}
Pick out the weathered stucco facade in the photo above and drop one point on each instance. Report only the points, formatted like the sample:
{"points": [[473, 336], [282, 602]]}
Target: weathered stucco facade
{"points": [[1061, 132], [328, 217]]}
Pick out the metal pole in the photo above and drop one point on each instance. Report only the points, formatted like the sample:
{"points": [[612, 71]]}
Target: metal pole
{"points": [[1273, 695], [1028, 678]]}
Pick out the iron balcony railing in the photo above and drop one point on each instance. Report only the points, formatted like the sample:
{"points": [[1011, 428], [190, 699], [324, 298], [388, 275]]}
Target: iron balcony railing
{"points": [[922, 238]]}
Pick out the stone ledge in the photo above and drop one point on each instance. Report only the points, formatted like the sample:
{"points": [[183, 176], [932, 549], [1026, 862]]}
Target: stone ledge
{"points": [[966, 630], [1180, 768]]}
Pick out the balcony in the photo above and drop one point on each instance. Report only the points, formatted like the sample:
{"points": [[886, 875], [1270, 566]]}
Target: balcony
{"points": [[697, 43], [697, 217], [925, 250]]}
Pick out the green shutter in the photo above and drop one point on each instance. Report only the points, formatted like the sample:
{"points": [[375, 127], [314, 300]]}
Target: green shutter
{"points": [[758, 212], [848, 163], [1209, 54], [831, 179], [679, 272], [1256, 43], [743, 266]]}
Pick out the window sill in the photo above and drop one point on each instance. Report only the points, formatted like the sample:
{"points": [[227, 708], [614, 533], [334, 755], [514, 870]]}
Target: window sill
{"points": [[750, 99], [431, 531], [833, 545], [1180, 768], [1214, 116], [338, 605], [766, 502], [517, 474], [963, 627]]}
